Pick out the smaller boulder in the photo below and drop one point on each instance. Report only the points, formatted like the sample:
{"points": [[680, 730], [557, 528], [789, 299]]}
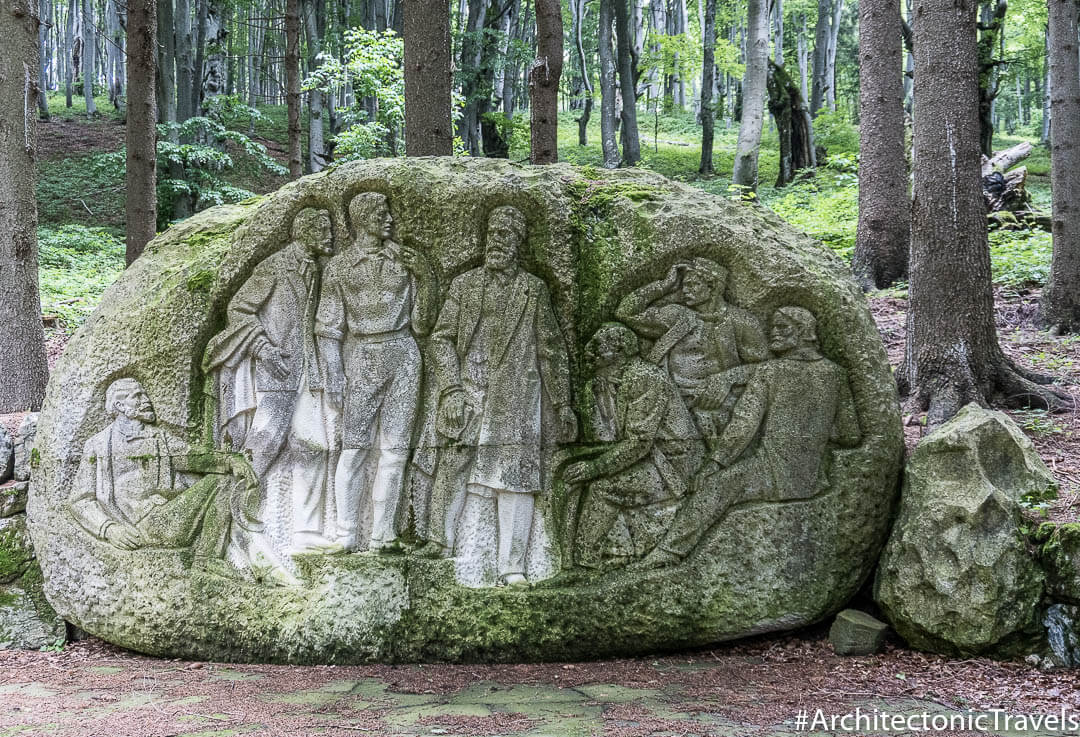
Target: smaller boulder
{"points": [[857, 633], [26, 618], [1059, 551], [7, 456], [13, 498], [24, 446], [956, 576]]}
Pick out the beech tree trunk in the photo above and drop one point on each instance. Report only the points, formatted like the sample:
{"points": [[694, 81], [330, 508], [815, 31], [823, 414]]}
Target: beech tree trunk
{"points": [[627, 84], [952, 355], [884, 232], [69, 45], [577, 14], [89, 47], [185, 62], [141, 175], [1061, 299], [753, 105], [607, 85], [22, 340], [166, 63], [708, 67], [428, 129], [544, 78], [43, 103], [318, 156], [292, 85], [830, 55], [822, 31]]}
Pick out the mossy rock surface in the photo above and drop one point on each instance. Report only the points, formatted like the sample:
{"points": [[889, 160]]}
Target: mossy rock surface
{"points": [[958, 576], [592, 238]]}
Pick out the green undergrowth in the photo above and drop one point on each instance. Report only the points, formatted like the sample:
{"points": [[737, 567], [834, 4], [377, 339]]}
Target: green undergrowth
{"points": [[87, 190], [75, 266]]}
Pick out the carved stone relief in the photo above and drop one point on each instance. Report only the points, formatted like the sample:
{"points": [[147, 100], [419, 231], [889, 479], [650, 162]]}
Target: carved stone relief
{"points": [[393, 411]]}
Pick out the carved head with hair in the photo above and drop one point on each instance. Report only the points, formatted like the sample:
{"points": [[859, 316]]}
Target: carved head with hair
{"points": [[505, 233], [703, 281], [790, 328], [369, 213], [611, 345], [128, 398], [311, 227]]}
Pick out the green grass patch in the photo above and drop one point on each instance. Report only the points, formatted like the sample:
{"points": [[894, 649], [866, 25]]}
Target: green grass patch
{"points": [[87, 190], [58, 108], [1020, 258], [75, 266]]}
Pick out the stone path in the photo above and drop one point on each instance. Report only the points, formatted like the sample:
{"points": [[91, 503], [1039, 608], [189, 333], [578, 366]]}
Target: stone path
{"points": [[92, 689]]}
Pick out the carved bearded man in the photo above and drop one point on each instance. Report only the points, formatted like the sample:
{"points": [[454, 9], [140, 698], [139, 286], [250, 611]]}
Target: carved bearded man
{"points": [[500, 359]]}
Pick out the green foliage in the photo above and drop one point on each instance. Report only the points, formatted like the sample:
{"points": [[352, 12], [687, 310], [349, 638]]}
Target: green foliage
{"points": [[374, 67], [1020, 258], [75, 265], [835, 133], [202, 164], [824, 206]]}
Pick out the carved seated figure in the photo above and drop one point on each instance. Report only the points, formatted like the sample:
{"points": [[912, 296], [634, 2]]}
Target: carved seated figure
{"points": [[652, 449], [775, 446], [129, 489]]}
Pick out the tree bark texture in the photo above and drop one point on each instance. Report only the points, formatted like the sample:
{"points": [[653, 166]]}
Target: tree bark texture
{"points": [[141, 175], [952, 356], [793, 124], [428, 129], [754, 88], [166, 63], [708, 69], [89, 46], [822, 30], [607, 85], [185, 62], [544, 78], [577, 13], [22, 340], [292, 85], [830, 55], [1061, 300], [43, 103], [883, 237], [69, 62], [318, 157], [627, 84]]}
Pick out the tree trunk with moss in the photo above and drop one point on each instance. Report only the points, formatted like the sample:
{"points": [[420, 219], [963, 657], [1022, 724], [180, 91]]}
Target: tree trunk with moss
{"points": [[708, 70], [952, 356], [883, 239], [1061, 300], [22, 340], [793, 125]]}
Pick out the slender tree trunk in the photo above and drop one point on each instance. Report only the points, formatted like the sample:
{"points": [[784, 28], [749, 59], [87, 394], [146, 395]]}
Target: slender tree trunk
{"points": [[43, 102], [215, 35], [754, 82], [778, 42], [166, 63], [952, 355], [428, 129], [472, 58], [1045, 137], [318, 157], [909, 62], [627, 85], [292, 85], [577, 13], [1061, 300], [185, 63], [884, 231], [708, 67], [89, 46], [830, 56], [22, 340], [607, 85], [200, 30], [804, 61], [141, 172], [793, 124], [69, 50], [822, 31]]}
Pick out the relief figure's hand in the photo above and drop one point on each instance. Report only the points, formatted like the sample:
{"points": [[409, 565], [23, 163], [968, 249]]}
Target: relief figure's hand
{"points": [[275, 359], [579, 472], [451, 417], [124, 536]]}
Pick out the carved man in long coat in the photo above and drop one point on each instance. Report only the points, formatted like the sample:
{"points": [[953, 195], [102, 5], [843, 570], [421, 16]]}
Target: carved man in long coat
{"points": [[500, 358]]}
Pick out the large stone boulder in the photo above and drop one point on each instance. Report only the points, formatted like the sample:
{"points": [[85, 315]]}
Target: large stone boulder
{"points": [[26, 618], [957, 575], [520, 413]]}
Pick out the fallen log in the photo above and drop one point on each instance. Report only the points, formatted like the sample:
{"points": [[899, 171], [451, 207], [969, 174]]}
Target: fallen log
{"points": [[1005, 190]]}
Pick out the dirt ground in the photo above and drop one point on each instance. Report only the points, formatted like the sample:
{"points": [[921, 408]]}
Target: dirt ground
{"points": [[758, 687]]}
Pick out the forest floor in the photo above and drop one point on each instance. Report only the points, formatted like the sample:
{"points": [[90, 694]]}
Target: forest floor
{"points": [[755, 687]]}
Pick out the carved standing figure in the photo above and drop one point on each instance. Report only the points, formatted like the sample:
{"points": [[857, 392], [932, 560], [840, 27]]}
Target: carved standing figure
{"points": [[500, 359], [376, 296], [270, 377], [130, 492], [695, 332], [651, 449], [775, 447]]}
